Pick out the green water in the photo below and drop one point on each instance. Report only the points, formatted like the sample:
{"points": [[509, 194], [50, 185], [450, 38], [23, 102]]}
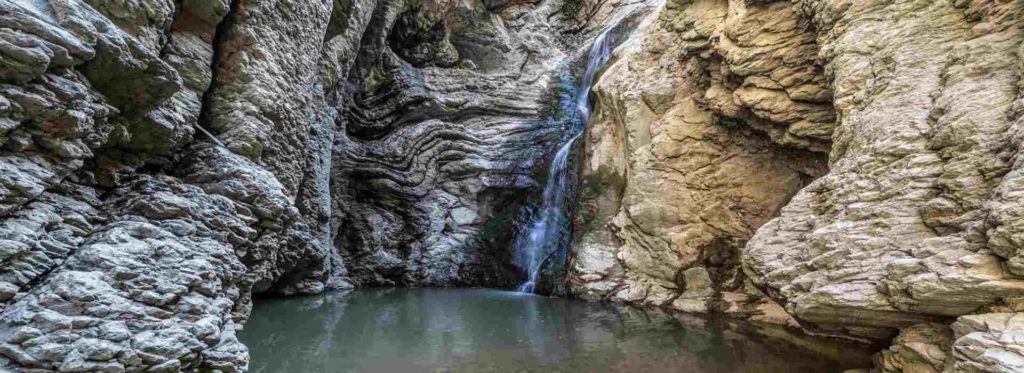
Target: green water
{"points": [[474, 330]]}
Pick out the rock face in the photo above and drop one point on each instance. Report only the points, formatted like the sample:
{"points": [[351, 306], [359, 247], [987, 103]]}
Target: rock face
{"points": [[163, 160], [429, 172], [914, 221], [846, 166], [851, 168], [708, 122], [916, 194]]}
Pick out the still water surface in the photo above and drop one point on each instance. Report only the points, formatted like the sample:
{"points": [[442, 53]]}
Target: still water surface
{"points": [[475, 330]]}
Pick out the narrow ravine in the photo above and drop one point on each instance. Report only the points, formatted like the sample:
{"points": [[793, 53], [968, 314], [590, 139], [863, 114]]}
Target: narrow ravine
{"points": [[511, 185]]}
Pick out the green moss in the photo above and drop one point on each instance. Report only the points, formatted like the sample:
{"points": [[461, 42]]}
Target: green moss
{"points": [[341, 13], [497, 224], [377, 79], [596, 186]]}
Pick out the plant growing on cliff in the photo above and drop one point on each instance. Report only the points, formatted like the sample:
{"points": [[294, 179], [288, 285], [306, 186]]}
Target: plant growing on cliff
{"points": [[577, 12]]}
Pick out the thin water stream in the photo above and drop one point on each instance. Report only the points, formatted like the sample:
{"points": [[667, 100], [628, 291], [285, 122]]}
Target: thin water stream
{"points": [[544, 235], [477, 330]]}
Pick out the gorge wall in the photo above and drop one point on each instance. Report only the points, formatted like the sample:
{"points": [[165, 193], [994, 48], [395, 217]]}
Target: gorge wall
{"points": [[163, 160], [849, 168], [845, 167]]}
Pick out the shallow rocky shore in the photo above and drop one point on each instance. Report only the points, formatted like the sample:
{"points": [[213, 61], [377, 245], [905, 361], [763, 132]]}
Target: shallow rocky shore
{"points": [[846, 168]]}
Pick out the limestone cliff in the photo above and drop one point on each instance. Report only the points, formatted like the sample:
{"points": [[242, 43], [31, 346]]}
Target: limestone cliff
{"points": [[846, 167], [163, 160]]}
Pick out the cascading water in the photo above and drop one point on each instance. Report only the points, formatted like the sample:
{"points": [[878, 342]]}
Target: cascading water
{"points": [[544, 237]]}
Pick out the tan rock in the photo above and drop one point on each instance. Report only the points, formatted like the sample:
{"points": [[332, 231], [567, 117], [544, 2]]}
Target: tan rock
{"points": [[919, 348], [895, 233], [681, 163], [710, 119]]}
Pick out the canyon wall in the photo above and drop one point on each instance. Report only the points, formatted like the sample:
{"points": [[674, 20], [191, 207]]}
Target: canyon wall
{"points": [[163, 160], [844, 167], [848, 168]]}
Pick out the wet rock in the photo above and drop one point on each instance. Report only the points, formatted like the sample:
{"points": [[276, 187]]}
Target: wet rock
{"points": [[161, 160], [436, 163]]}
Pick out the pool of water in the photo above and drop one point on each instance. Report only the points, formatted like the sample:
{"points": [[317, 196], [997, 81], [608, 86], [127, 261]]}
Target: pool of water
{"points": [[476, 330]]}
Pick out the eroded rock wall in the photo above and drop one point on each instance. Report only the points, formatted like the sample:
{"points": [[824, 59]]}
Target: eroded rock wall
{"points": [[912, 222], [445, 134], [847, 167], [163, 160], [921, 148], [711, 118]]}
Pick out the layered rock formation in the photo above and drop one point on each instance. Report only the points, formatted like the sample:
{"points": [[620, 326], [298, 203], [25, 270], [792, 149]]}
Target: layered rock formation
{"points": [[849, 168], [694, 145], [162, 160], [914, 221], [721, 113], [432, 153]]}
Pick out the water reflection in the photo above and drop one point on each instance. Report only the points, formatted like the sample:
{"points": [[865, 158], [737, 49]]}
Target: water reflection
{"points": [[470, 330]]}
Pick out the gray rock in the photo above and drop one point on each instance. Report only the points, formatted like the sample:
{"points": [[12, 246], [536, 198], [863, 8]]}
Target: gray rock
{"points": [[129, 243], [989, 342], [872, 147]]}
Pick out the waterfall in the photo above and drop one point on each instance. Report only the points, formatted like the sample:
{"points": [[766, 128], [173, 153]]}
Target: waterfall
{"points": [[544, 236]]}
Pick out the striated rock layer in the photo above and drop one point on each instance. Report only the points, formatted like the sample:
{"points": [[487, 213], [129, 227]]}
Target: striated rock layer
{"points": [[846, 167], [705, 125], [163, 160], [849, 168]]}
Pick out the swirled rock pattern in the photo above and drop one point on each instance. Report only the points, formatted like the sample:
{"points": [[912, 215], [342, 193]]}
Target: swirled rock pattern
{"points": [[437, 161], [163, 160], [851, 168]]}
